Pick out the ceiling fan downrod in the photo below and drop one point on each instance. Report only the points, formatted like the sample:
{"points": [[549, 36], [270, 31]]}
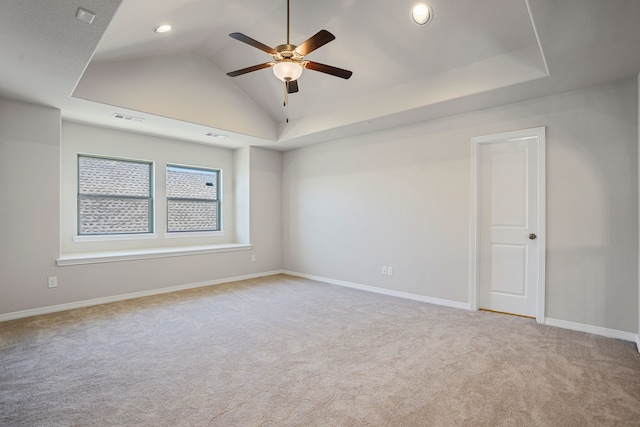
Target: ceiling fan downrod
{"points": [[288, 22]]}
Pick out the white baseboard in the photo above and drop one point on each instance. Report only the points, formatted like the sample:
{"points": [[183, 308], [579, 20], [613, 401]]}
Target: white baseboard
{"points": [[383, 291], [133, 295], [596, 330]]}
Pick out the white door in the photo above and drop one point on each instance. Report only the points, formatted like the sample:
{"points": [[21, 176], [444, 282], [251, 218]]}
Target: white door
{"points": [[510, 222]]}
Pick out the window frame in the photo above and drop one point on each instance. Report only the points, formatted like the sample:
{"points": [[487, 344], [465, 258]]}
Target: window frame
{"points": [[217, 202], [150, 198]]}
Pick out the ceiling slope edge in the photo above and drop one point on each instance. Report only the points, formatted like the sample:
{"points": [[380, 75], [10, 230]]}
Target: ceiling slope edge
{"points": [[184, 87], [363, 114], [46, 47]]}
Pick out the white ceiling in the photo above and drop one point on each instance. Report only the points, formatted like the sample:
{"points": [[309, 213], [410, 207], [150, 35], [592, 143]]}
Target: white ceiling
{"points": [[474, 54]]}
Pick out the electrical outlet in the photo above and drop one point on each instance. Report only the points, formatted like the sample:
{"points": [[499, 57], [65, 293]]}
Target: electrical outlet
{"points": [[253, 258], [52, 282], [390, 271], [384, 270]]}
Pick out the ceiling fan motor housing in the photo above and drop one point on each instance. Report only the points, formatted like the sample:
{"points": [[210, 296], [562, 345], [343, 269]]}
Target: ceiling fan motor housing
{"points": [[287, 52]]}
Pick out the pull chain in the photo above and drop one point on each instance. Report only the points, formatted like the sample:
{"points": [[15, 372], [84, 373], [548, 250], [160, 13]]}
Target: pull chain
{"points": [[286, 99]]}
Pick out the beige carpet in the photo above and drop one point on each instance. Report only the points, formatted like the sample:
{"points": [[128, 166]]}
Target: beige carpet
{"points": [[283, 351]]}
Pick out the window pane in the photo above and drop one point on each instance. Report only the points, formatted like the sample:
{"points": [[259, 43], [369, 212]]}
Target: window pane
{"points": [[186, 215], [185, 183], [113, 177], [110, 215]]}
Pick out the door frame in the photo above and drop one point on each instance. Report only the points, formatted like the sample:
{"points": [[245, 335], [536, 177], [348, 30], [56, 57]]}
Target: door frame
{"points": [[474, 217]]}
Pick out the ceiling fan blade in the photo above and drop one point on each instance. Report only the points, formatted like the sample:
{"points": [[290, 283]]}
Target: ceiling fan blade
{"points": [[292, 86], [249, 69], [328, 69], [321, 38], [255, 43]]}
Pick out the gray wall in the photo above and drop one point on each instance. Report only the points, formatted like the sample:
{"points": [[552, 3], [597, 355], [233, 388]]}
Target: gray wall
{"points": [[342, 209], [401, 197], [30, 226], [29, 204]]}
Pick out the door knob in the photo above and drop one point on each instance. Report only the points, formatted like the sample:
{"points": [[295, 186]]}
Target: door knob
{"points": [[532, 236]]}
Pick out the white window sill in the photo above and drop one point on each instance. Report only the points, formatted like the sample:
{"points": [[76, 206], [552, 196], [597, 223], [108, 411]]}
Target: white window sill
{"points": [[115, 256], [188, 234], [114, 237], [144, 236]]}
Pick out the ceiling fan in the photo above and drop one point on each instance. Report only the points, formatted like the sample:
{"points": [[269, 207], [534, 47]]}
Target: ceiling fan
{"points": [[288, 59]]}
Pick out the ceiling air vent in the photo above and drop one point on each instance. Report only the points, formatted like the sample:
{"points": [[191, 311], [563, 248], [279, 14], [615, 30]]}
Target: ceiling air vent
{"points": [[128, 118], [85, 15], [216, 135]]}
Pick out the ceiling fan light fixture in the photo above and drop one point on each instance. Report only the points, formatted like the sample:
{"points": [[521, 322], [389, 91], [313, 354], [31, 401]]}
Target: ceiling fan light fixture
{"points": [[287, 71], [421, 13]]}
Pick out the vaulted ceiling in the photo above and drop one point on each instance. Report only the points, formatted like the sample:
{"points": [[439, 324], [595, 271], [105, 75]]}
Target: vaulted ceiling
{"points": [[473, 54]]}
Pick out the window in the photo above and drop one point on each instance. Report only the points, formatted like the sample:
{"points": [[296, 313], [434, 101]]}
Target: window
{"points": [[114, 196], [193, 202]]}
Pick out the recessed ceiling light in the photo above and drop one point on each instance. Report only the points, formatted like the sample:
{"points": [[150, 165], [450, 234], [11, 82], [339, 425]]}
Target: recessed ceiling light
{"points": [[421, 13], [164, 28]]}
